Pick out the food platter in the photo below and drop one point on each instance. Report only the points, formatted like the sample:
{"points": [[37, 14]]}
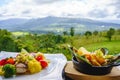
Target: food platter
{"points": [[57, 63]]}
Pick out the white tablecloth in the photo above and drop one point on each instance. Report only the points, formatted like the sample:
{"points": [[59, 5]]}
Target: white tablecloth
{"points": [[53, 72]]}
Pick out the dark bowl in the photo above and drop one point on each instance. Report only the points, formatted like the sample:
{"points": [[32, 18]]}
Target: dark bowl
{"points": [[92, 70]]}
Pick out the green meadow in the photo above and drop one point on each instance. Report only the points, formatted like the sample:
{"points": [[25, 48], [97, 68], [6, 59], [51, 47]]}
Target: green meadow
{"points": [[112, 46]]}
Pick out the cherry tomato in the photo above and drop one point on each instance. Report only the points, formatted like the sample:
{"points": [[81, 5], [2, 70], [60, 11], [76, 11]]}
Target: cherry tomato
{"points": [[44, 63], [40, 57]]}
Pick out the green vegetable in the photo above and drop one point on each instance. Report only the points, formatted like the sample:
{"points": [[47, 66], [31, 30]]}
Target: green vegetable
{"points": [[99, 53], [9, 70], [109, 56], [82, 58]]}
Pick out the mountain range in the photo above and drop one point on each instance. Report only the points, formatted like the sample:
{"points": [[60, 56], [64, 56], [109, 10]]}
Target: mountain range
{"points": [[56, 24]]}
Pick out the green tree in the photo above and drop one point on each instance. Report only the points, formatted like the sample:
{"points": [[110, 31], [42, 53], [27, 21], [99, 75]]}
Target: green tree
{"points": [[72, 31], [28, 42], [65, 33], [95, 33], [118, 31], [7, 44], [88, 33], [6, 41], [58, 39], [110, 33], [4, 33]]}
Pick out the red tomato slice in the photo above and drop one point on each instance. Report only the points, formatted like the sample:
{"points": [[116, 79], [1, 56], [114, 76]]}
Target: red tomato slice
{"points": [[44, 63], [3, 62]]}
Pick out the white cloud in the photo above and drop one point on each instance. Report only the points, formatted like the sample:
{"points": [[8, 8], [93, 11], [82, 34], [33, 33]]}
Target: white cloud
{"points": [[102, 9]]}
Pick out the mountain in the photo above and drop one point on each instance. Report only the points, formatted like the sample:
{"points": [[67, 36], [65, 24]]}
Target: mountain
{"points": [[113, 21], [55, 24], [10, 24]]}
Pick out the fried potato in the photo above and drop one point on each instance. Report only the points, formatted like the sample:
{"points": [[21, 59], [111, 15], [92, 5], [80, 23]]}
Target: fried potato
{"points": [[94, 61]]}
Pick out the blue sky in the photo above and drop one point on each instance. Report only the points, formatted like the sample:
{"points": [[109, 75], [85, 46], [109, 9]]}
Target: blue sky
{"points": [[4, 2], [93, 9]]}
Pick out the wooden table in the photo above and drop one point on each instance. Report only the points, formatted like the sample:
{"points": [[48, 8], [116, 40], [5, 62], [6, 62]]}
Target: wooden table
{"points": [[75, 75]]}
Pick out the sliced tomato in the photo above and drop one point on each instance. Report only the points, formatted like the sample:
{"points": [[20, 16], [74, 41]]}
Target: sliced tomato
{"points": [[3, 62], [11, 61], [44, 63]]}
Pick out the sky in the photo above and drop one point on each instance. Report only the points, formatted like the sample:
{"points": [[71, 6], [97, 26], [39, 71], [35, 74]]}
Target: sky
{"points": [[92, 9]]}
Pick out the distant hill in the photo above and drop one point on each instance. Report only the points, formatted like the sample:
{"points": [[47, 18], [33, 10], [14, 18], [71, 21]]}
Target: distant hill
{"points": [[55, 24], [10, 24]]}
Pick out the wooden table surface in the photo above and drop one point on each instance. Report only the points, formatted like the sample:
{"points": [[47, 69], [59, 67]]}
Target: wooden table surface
{"points": [[75, 75]]}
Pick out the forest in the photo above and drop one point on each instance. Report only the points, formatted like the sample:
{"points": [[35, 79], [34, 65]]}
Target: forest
{"points": [[57, 43]]}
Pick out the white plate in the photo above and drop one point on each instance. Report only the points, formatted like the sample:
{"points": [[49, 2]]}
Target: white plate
{"points": [[52, 72]]}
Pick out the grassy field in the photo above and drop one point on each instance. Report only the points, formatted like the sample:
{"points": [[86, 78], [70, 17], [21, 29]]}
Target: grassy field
{"points": [[19, 33], [113, 46]]}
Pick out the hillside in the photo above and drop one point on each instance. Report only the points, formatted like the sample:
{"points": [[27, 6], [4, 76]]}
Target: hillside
{"points": [[55, 24]]}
